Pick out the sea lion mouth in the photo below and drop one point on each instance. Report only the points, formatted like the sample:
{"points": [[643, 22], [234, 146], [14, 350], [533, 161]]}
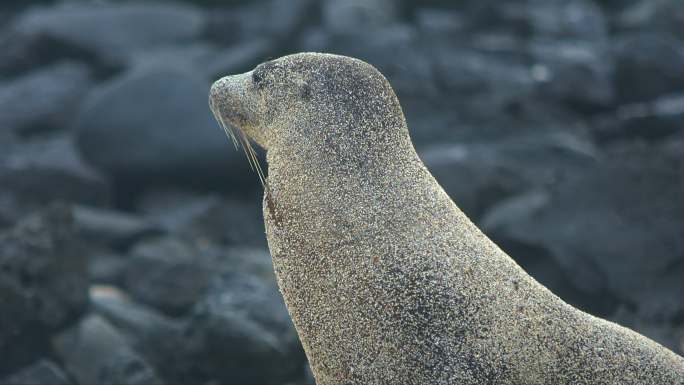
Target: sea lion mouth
{"points": [[230, 115], [226, 101]]}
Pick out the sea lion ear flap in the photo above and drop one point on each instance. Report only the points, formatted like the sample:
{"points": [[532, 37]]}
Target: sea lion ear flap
{"points": [[304, 90]]}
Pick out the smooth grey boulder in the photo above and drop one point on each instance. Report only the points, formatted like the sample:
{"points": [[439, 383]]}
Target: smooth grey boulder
{"points": [[46, 170], [107, 34], [614, 229], [110, 358], [207, 218], [240, 327], [43, 372], [577, 73], [277, 20], [656, 120], [159, 339], [43, 100], [172, 274], [647, 66], [495, 171], [154, 125], [111, 228]]}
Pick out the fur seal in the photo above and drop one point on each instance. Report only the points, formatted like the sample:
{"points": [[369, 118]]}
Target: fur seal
{"points": [[386, 280]]}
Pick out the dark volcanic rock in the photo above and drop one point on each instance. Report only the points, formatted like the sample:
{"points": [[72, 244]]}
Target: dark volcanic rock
{"points": [[167, 274], [106, 268], [359, 16], [155, 124], [240, 327], [172, 274], [537, 259], [109, 34], [191, 57], [43, 281], [470, 71], [653, 120], [552, 19], [95, 352], [110, 228], [48, 170], [277, 20], [208, 60], [43, 372], [478, 175], [615, 229], [158, 338], [439, 22], [494, 93], [208, 218], [506, 102], [665, 16], [43, 100], [577, 73], [280, 20], [239, 58], [648, 65]]}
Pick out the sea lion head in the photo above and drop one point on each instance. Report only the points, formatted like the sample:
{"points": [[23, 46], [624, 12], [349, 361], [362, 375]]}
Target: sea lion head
{"points": [[327, 101]]}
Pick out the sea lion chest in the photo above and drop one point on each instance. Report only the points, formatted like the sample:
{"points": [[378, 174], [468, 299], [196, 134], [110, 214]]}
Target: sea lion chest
{"points": [[363, 289]]}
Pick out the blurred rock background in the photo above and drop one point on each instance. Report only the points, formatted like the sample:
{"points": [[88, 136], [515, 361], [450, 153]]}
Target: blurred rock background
{"points": [[131, 244]]}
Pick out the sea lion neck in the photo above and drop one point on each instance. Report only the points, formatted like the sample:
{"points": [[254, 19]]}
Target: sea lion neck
{"points": [[356, 175], [320, 148]]}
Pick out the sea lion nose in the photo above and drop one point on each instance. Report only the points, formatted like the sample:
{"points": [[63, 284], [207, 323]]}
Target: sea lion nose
{"points": [[226, 99], [228, 93], [216, 93]]}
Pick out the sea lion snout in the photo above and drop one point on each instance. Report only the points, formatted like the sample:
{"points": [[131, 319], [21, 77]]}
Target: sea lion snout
{"points": [[232, 101], [225, 99]]}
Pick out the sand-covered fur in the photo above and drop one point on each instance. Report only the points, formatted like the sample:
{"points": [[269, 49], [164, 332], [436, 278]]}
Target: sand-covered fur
{"points": [[386, 280]]}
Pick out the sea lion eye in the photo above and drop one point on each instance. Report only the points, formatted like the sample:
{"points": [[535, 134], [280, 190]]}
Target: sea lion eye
{"points": [[257, 78], [259, 75], [305, 91]]}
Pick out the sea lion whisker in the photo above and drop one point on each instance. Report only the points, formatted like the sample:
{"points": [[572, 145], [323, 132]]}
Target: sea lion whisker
{"points": [[250, 154], [247, 153], [229, 131], [226, 127], [252, 157]]}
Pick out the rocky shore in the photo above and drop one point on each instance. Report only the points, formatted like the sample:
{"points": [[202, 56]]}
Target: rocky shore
{"points": [[132, 249]]}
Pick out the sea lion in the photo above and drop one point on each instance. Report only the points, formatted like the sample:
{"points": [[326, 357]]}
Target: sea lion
{"points": [[386, 280]]}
